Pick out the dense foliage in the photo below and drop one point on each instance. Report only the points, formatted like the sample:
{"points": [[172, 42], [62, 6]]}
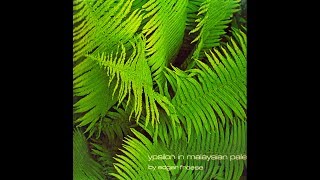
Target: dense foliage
{"points": [[155, 77]]}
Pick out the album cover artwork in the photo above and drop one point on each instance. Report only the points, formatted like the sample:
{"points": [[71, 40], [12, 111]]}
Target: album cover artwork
{"points": [[159, 89]]}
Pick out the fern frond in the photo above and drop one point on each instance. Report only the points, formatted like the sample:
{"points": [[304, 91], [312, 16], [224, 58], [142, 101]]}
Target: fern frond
{"points": [[84, 166], [133, 163], [104, 157], [193, 107], [133, 76], [164, 31], [230, 140], [96, 22], [99, 21], [115, 125], [192, 13], [187, 47], [207, 95], [96, 95], [213, 17], [166, 132]]}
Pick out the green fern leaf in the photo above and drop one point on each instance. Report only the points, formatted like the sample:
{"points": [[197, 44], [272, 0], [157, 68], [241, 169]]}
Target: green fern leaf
{"points": [[99, 21], [133, 75], [220, 91], [96, 95], [104, 157], [96, 22], [166, 132], [115, 125], [225, 142], [213, 17], [84, 167], [164, 29]]}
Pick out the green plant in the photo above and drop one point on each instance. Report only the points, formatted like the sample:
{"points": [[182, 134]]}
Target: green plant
{"points": [[158, 77]]}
